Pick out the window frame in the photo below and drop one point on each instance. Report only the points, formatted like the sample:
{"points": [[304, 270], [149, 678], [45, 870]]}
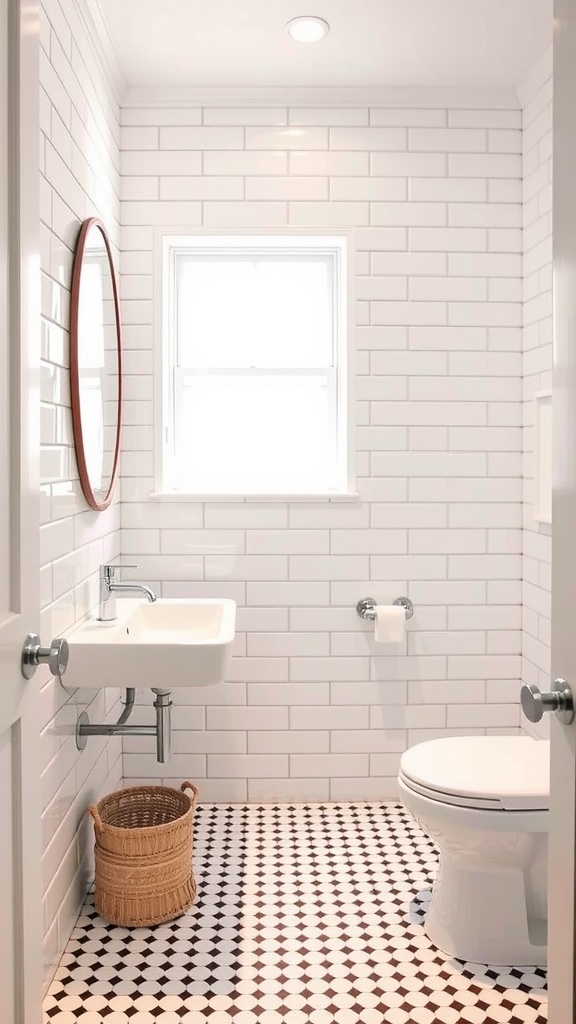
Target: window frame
{"points": [[336, 246]]}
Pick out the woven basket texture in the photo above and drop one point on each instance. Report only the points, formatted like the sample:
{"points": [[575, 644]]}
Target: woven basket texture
{"points": [[143, 854]]}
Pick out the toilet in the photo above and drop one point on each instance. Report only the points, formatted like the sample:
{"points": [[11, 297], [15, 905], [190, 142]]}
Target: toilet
{"points": [[483, 800]]}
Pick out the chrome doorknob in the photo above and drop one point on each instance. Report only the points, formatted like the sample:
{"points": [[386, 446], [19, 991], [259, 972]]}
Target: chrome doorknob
{"points": [[559, 699], [33, 655]]}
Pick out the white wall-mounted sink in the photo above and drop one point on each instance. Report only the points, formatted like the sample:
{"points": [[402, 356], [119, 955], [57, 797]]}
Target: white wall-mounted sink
{"points": [[166, 643]]}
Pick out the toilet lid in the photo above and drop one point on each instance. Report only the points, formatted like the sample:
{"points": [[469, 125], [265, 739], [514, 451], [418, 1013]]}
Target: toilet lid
{"points": [[505, 772]]}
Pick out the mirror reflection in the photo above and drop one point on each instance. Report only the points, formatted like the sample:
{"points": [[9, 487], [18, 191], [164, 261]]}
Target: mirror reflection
{"points": [[95, 364]]}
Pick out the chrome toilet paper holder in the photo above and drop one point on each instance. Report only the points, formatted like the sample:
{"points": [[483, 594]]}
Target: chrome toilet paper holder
{"points": [[366, 607]]}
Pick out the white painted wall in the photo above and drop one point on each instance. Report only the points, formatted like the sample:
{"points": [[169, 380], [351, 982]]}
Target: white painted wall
{"points": [[79, 164], [536, 98], [313, 710]]}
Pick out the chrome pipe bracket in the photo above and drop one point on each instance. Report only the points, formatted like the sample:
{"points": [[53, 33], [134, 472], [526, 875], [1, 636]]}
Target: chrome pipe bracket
{"points": [[162, 731], [366, 607]]}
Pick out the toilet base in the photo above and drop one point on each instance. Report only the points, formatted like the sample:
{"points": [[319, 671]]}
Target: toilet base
{"points": [[480, 916]]}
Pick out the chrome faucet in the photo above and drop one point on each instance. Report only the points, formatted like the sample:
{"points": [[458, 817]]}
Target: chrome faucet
{"points": [[109, 585]]}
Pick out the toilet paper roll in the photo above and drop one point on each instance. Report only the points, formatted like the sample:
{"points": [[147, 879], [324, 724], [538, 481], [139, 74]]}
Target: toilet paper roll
{"points": [[389, 624]]}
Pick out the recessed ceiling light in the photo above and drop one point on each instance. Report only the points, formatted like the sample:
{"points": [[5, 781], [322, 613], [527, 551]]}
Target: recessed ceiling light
{"points": [[307, 29]]}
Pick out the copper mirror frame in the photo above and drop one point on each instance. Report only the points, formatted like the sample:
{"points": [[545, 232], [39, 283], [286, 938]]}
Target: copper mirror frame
{"points": [[98, 498]]}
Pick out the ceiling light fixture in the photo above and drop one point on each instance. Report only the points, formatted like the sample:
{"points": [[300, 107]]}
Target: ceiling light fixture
{"points": [[307, 29]]}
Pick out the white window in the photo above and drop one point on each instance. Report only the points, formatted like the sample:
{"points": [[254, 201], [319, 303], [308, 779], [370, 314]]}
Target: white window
{"points": [[254, 350]]}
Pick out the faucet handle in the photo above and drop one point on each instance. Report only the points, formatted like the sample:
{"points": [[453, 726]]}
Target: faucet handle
{"points": [[108, 570]]}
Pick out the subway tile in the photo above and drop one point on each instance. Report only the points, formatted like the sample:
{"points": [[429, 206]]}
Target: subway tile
{"points": [[408, 214], [376, 788], [190, 138], [328, 567], [483, 666], [446, 691], [485, 215], [246, 718], [327, 116], [448, 190], [285, 138], [411, 165], [328, 163], [328, 669], [448, 239], [374, 691], [290, 742], [160, 115], [287, 644], [404, 117], [245, 163], [292, 541], [484, 715], [316, 790], [370, 139], [329, 717], [252, 766], [244, 115], [294, 693], [409, 263], [331, 765], [244, 214], [224, 791], [140, 137], [485, 118], [447, 140], [201, 187], [488, 165], [368, 189], [368, 741], [329, 214], [369, 542], [292, 188], [252, 670]]}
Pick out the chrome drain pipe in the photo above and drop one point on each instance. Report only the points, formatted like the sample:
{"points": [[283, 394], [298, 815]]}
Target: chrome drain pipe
{"points": [[162, 730], [163, 705]]}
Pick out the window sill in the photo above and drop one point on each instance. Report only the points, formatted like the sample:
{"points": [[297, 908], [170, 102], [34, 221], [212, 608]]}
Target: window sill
{"points": [[319, 498]]}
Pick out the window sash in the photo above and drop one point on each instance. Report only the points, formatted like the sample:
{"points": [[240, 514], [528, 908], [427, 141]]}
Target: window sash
{"points": [[331, 249], [178, 443], [181, 259]]}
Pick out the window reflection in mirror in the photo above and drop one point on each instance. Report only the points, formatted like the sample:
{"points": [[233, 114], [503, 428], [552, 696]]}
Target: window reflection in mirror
{"points": [[95, 364]]}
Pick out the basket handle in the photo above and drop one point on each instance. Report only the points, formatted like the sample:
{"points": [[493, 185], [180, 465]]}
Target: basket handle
{"points": [[93, 810], [195, 792]]}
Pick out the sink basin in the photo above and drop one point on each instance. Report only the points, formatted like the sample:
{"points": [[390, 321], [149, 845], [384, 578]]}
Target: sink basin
{"points": [[166, 643]]}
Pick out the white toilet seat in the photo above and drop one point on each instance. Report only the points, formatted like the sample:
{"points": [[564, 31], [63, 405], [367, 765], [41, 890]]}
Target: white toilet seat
{"points": [[498, 773]]}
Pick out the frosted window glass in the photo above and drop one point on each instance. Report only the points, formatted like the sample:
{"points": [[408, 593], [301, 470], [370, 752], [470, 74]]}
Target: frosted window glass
{"points": [[234, 311], [256, 434]]}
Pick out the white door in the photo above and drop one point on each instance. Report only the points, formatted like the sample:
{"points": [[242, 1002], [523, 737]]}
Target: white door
{"points": [[561, 945], [20, 879]]}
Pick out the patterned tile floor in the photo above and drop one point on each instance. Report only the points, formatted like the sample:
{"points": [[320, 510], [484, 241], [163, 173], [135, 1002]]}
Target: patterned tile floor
{"points": [[305, 915]]}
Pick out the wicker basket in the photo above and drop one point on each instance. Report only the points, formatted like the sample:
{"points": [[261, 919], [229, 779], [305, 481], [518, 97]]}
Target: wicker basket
{"points": [[143, 854]]}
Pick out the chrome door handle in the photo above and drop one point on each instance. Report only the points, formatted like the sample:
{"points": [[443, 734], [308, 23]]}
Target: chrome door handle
{"points": [[33, 655], [560, 700]]}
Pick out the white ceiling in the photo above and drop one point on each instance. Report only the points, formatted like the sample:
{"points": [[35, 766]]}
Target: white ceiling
{"points": [[471, 43]]}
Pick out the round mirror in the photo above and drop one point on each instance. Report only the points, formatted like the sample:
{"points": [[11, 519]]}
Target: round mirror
{"points": [[95, 364]]}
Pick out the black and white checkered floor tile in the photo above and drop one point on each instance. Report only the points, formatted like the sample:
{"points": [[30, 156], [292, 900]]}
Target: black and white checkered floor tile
{"points": [[305, 915]]}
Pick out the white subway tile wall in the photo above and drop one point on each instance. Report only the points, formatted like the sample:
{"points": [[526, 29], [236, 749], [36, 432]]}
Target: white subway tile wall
{"points": [[79, 177], [313, 709], [536, 94]]}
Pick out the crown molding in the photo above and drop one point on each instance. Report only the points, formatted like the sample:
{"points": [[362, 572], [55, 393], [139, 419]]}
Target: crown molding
{"points": [[279, 96], [538, 75], [91, 14]]}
